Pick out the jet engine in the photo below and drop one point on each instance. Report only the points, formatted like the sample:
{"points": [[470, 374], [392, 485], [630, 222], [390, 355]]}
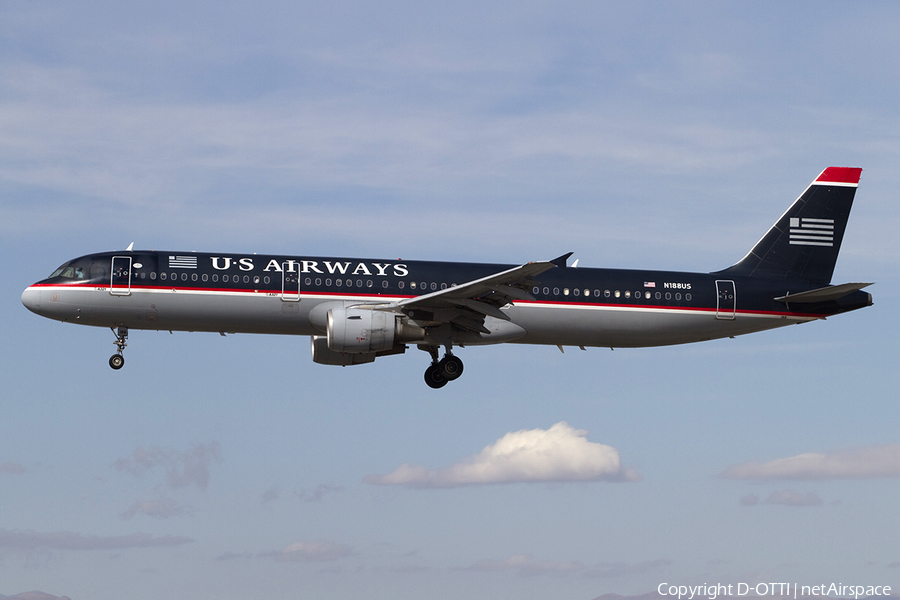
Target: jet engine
{"points": [[361, 331]]}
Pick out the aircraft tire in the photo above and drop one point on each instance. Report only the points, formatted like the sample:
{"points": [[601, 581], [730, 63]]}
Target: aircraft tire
{"points": [[116, 361], [434, 377], [451, 367]]}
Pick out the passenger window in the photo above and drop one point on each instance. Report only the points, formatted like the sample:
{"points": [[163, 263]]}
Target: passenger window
{"points": [[256, 279], [577, 292], [339, 282], [556, 291], [384, 283], [628, 293], [412, 285], [536, 291], [658, 295], [668, 295], [162, 276], [153, 275], [401, 284], [194, 277], [546, 291], [678, 295], [204, 277], [215, 278], [246, 279], [369, 283], [328, 282], [359, 283], [687, 297]]}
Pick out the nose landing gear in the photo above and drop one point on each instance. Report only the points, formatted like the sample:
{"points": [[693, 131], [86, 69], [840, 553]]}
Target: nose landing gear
{"points": [[117, 360], [441, 371]]}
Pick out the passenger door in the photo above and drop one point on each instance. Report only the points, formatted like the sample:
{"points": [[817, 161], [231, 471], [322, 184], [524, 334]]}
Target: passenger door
{"points": [[290, 282], [120, 280], [726, 301]]}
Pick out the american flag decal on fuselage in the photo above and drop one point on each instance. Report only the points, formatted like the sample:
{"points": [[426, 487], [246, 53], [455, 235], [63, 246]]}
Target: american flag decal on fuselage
{"points": [[812, 232], [182, 262]]}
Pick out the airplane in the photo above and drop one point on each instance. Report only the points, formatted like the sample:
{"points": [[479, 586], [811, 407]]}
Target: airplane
{"points": [[356, 310]]}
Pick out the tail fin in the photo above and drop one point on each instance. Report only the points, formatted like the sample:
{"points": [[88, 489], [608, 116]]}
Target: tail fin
{"points": [[804, 242]]}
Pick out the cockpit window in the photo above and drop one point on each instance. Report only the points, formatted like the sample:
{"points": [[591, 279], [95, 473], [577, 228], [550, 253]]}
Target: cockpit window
{"points": [[59, 271], [69, 271]]}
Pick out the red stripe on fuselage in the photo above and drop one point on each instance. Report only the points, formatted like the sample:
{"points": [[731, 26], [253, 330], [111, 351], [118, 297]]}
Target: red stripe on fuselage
{"points": [[387, 297]]}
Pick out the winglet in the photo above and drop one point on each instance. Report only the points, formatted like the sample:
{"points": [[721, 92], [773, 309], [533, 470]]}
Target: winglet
{"points": [[561, 261], [130, 247]]}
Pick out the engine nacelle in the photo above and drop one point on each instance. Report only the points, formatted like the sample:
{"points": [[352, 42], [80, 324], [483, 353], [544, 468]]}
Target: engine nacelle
{"points": [[360, 331], [356, 330], [323, 355]]}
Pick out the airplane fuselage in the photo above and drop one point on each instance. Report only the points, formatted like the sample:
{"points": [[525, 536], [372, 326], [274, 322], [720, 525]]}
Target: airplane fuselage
{"points": [[232, 293]]}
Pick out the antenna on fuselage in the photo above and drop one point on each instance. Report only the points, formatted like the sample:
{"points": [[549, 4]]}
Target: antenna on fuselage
{"points": [[130, 247]]}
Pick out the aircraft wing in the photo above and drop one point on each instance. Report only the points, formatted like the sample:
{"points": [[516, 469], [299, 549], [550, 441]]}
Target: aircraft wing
{"points": [[467, 304]]}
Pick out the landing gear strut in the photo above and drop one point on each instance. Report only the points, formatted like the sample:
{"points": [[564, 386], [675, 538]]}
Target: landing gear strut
{"points": [[441, 371], [117, 360]]}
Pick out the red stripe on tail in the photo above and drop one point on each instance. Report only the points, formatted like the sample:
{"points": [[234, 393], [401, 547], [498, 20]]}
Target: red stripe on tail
{"points": [[840, 175]]}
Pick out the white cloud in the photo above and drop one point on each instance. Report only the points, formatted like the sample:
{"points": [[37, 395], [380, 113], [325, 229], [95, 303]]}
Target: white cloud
{"points": [[784, 498], [320, 491], [270, 494], [315, 551], [855, 463], [12, 468], [30, 540], [525, 566], [161, 508], [558, 454], [794, 498], [182, 468]]}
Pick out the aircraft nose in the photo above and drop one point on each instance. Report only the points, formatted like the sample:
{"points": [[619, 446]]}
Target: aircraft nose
{"points": [[31, 298]]}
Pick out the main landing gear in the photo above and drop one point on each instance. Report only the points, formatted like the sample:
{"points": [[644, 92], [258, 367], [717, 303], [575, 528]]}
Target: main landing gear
{"points": [[117, 360], [441, 371]]}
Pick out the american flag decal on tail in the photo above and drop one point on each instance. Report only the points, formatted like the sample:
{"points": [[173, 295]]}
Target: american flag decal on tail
{"points": [[812, 232], [182, 262]]}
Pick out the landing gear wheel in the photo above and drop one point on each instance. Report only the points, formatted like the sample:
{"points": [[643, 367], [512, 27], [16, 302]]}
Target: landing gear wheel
{"points": [[434, 377], [117, 361], [451, 367]]}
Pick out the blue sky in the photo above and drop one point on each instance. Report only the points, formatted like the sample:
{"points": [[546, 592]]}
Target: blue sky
{"points": [[638, 135]]}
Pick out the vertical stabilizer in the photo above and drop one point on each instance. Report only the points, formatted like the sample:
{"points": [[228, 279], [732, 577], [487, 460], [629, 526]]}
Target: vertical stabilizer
{"points": [[804, 243]]}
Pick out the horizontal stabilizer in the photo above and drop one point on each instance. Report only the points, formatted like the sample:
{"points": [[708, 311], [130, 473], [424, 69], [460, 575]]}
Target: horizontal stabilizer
{"points": [[825, 294]]}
